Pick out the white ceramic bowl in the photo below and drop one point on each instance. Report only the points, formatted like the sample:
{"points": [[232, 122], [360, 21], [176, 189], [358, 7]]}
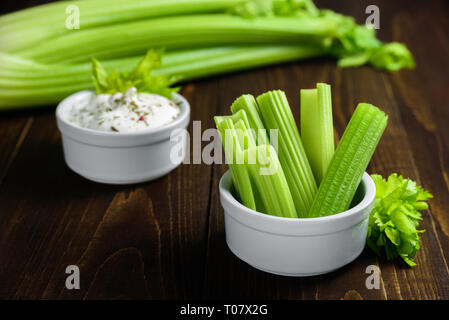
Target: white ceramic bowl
{"points": [[297, 247], [119, 158]]}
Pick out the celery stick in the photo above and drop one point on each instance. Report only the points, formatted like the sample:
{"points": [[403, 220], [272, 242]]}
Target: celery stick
{"points": [[241, 125], [234, 152], [16, 67], [246, 138], [277, 114], [317, 130], [26, 28], [273, 188], [29, 94], [248, 103], [134, 38], [350, 160]]}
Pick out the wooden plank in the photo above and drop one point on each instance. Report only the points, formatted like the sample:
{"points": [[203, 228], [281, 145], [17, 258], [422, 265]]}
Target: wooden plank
{"points": [[13, 129], [422, 97]]}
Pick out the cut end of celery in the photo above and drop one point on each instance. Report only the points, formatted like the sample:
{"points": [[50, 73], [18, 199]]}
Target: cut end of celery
{"points": [[248, 104]]}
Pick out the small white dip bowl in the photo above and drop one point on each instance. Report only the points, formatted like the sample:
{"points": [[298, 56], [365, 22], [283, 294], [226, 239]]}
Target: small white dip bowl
{"points": [[297, 247], [118, 157]]}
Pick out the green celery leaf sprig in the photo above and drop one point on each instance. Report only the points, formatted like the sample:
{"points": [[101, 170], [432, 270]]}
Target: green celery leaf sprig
{"points": [[357, 45], [395, 217], [140, 77]]}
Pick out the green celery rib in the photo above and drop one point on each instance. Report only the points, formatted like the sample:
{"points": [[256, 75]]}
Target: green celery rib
{"points": [[248, 103], [206, 63], [134, 38], [188, 63], [277, 114], [317, 131], [98, 12], [234, 152], [350, 160], [266, 192], [247, 58], [241, 126], [19, 68], [273, 188], [17, 72], [246, 138], [26, 28], [29, 94], [241, 116]]}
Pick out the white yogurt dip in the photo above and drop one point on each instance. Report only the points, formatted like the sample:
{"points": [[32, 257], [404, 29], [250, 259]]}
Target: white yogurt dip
{"points": [[123, 112]]}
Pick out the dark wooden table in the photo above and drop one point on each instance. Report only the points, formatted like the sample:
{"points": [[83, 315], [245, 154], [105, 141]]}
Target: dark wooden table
{"points": [[165, 239]]}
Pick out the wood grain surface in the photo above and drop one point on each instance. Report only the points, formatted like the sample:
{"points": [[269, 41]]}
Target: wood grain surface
{"points": [[165, 239]]}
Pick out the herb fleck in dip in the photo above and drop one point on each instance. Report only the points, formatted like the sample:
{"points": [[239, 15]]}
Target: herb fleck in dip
{"points": [[123, 112]]}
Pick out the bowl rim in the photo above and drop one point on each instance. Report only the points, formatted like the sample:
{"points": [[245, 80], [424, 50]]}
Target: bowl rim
{"points": [[368, 199], [183, 104]]}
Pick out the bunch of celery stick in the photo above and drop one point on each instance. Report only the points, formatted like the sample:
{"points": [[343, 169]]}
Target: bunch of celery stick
{"points": [[44, 56], [299, 175]]}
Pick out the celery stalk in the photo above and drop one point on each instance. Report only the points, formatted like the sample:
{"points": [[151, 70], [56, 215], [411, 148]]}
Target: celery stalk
{"points": [[350, 160], [134, 38], [210, 61], [277, 114], [258, 178], [317, 130], [235, 156], [273, 188], [248, 103], [29, 27], [246, 138]]}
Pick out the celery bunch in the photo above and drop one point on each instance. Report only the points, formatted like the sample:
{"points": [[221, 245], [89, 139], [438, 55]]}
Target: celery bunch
{"points": [[27, 83], [42, 61]]}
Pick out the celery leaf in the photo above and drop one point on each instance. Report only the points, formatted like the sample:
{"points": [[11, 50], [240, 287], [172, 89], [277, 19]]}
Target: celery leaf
{"points": [[395, 217], [140, 77]]}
